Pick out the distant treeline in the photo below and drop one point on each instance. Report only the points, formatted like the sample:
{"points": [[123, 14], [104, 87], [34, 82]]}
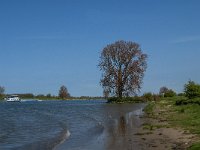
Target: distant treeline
{"points": [[51, 97]]}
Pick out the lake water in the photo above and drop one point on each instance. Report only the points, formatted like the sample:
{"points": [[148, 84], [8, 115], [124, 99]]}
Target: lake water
{"points": [[63, 125]]}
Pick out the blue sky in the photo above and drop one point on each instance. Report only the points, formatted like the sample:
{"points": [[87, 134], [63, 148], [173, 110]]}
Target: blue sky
{"points": [[48, 43]]}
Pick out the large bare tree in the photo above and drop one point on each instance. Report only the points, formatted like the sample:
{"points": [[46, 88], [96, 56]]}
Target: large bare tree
{"points": [[123, 65]]}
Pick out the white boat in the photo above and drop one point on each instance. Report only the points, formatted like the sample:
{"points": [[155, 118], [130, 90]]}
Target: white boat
{"points": [[13, 98]]}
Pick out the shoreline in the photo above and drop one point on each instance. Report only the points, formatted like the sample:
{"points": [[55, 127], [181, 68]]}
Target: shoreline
{"points": [[161, 130], [152, 133], [156, 135]]}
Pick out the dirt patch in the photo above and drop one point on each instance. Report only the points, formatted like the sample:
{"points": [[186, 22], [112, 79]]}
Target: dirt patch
{"points": [[164, 138]]}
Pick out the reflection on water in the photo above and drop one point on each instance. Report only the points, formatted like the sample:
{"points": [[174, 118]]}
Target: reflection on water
{"points": [[122, 126], [68, 125], [121, 133]]}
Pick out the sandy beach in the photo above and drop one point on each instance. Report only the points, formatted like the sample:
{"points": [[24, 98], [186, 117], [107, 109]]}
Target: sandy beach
{"points": [[162, 138]]}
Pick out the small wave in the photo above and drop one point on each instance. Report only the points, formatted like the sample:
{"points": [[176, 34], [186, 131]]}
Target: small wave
{"points": [[30, 100], [64, 137], [47, 143], [96, 130]]}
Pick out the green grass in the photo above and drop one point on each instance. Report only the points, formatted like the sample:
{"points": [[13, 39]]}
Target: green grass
{"points": [[149, 108], [188, 117], [153, 126], [185, 115], [195, 147]]}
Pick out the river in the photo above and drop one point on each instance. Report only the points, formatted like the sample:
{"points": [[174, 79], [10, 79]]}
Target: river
{"points": [[67, 125]]}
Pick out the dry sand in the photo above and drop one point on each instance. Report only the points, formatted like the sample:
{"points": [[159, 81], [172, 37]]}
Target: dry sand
{"points": [[163, 138]]}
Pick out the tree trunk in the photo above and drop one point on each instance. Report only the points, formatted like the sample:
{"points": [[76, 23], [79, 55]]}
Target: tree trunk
{"points": [[120, 83], [120, 93]]}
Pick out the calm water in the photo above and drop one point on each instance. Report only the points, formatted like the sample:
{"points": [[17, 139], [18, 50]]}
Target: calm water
{"points": [[63, 125]]}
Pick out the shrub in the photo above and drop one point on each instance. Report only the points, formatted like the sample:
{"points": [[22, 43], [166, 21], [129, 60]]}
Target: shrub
{"points": [[170, 93], [134, 99], [181, 94], [192, 90], [188, 101], [148, 96], [156, 97], [165, 92]]}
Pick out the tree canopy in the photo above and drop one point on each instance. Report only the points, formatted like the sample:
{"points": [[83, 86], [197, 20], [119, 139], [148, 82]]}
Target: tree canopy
{"points": [[192, 90], [123, 65], [63, 92], [164, 91], [2, 90]]}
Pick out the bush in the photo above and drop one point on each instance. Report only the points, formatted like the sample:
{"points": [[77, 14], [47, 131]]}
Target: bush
{"points": [[156, 97], [192, 90], [165, 92], [188, 101], [170, 93], [148, 96], [135, 99], [181, 94]]}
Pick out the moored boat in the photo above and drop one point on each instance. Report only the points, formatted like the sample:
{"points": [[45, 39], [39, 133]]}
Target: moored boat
{"points": [[12, 98]]}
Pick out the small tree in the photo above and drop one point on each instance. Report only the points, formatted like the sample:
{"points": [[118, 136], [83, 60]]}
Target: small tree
{"points": [[63, 92], [123, 65], [163, 90], [2, 90], [192, 90], [48, 95]]}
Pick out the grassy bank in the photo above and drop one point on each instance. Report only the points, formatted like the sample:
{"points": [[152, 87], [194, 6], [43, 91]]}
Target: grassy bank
{"points": [[178, 112]]}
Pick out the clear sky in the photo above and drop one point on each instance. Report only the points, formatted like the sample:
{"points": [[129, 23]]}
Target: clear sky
{"points": [[48, 43]]}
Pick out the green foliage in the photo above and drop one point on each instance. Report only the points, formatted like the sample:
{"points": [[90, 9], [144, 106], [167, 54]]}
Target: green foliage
{"points": [[48, 95], [148, 96], [2, 90], [135, 99], [195, 146], [164, 91], [149, 108], [156, 97], [188, 101], [63, 92], [181, 94], [192, 90], [26, 96], [187, 116], [169, 93], [1, 97]]}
